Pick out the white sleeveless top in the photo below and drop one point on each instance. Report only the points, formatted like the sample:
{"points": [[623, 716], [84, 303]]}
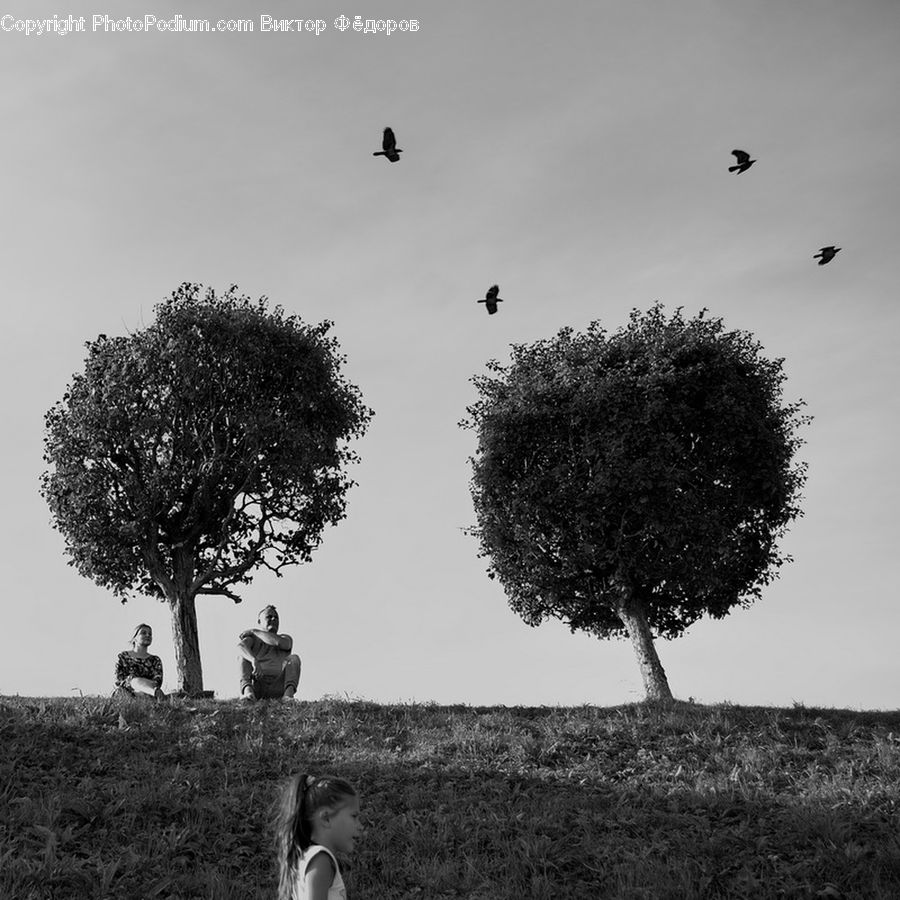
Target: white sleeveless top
{"points": [[337, 891]]}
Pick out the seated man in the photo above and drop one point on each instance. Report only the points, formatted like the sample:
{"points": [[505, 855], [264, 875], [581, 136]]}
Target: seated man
{"points": [[268, 668]]}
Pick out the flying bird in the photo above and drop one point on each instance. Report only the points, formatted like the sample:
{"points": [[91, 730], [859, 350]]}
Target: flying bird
{"points": [[491, 299], [827, 254], [743, 161], [389, 146]]}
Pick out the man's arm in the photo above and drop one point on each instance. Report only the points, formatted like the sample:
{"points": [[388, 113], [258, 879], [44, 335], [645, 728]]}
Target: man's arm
{"points": [[281, 641], [246, 646], [287, 642]]}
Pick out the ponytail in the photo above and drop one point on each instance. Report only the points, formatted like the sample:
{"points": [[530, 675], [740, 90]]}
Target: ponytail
{"points": [[303, 831], [301, 798]]}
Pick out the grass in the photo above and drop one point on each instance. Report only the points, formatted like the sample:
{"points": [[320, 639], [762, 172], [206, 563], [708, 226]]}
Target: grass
{"points": [[127, 799]]}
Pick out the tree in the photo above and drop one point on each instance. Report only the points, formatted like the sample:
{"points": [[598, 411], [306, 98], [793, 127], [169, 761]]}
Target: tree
{"points": [[192, 452], [630, 484]]}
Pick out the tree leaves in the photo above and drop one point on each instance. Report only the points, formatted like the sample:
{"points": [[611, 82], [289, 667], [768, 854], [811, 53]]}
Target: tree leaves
{"points": [[214, 441], [201, 432], [659, 456]]}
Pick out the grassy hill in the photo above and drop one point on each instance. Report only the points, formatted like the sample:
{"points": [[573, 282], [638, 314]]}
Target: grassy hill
{"points": [[105, 799]]}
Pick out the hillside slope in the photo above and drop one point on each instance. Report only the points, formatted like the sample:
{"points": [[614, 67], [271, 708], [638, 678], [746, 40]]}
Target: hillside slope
{"points": [[103, 799]]}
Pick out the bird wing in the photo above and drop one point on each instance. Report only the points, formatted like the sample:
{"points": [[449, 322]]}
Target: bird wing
{"points": [[493, 290], [389, 142], [741, 156]]}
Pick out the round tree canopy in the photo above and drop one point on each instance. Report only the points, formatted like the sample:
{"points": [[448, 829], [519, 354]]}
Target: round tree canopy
{"points": [[653, 464], [210, 443]]}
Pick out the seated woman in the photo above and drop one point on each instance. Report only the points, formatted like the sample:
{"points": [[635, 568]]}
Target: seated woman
{"points": [[137, 671]]}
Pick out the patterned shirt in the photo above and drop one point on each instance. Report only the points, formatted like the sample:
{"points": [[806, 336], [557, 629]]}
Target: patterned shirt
{"points": [[128, 667]]}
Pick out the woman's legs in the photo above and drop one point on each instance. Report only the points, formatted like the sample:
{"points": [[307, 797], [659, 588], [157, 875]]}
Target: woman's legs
{"points": [[142, 685]]}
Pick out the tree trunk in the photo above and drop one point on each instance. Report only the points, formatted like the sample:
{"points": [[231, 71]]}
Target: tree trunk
{"points": [[633, 618], [187, 644]]}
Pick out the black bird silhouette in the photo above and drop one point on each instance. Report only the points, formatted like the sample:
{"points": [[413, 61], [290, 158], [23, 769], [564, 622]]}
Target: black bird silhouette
{"points": [[389, 146], [491, 299], [827, 254], [743, 161]]}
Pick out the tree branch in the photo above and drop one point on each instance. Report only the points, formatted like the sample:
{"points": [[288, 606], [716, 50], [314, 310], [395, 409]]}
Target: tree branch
{"points": [[207, 573], [223, 591], [252, 557], [154, 563]]}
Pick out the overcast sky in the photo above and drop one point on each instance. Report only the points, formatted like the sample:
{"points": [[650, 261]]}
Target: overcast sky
{"points": [[579, 159]]}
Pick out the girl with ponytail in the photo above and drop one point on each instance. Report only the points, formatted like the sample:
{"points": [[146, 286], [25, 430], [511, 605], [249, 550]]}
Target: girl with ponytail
{"points": [[318, 817]]}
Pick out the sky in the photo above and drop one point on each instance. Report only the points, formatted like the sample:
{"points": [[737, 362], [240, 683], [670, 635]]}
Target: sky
{"points": [[575, 154]]}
